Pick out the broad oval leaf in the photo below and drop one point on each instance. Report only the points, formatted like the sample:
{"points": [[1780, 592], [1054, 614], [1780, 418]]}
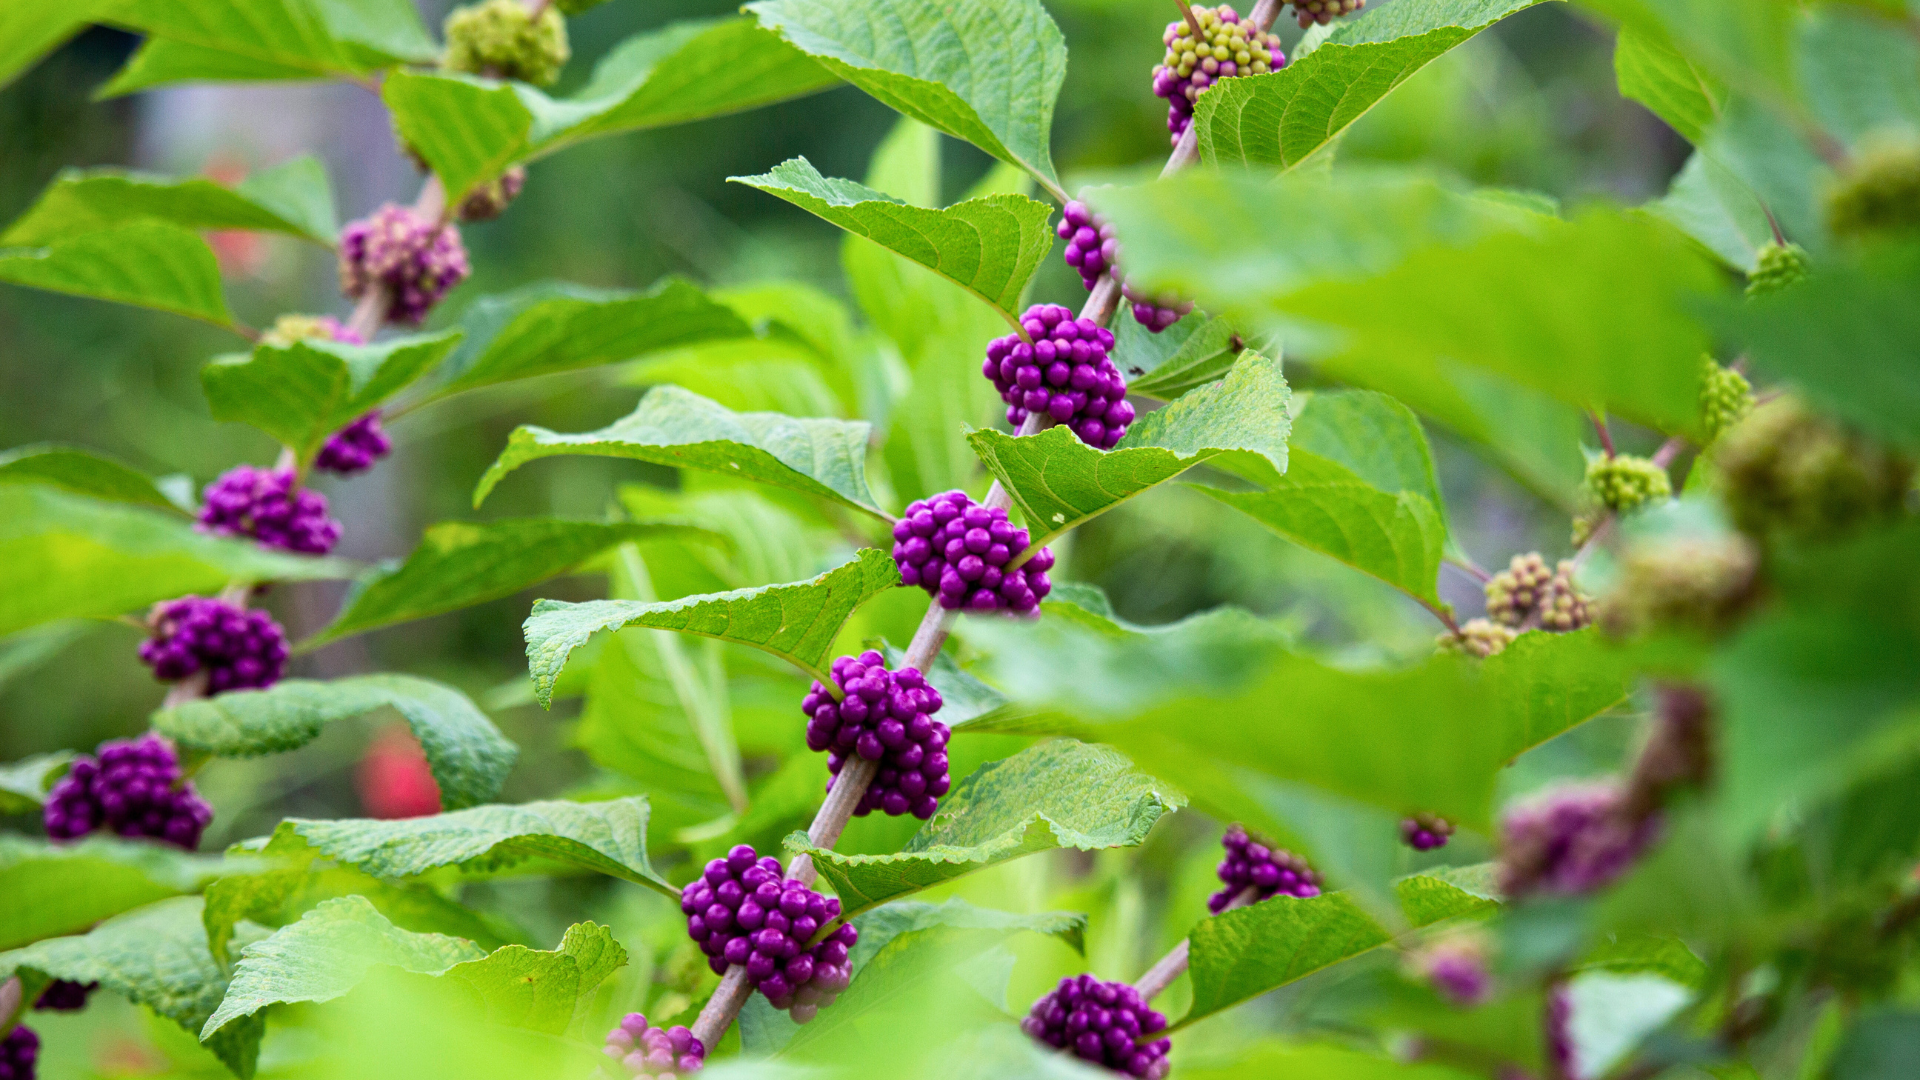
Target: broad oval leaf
{"points": [[56, 889], [796, 622], [469, 757], [542, 989], [292, 198], [160, 61], [989, 245], [145, 263], [83, 472], [675, 427], [987, 71], [1061, 793], [1717, 209]]}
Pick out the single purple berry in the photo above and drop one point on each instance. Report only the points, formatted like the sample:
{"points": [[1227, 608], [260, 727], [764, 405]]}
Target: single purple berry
{"points": [[1103, 1023], [1225, 47], [18, 1052], [266, 505], [133, 787], [652, 1053], [1270, 871], [64, 996], [884, 716], [238, 649], [1064, 372], [740, 910], [414, 258], [1425, 832], [959, 551], [354, 448], [1570, 840]]}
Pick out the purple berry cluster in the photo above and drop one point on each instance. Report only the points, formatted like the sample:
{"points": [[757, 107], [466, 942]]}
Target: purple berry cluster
{"points": [[238, 649], [1425, 832], [18, 1051], [354, 448], [64, 996], [134, 787], [1251, 863], [651, 1053], [415, 259], [1156, 313], [266, 505], [1225, 47], [958, 552], [1569, 841], [1064, 373], [740, 910], [884, 716], [1101, 1022], [1092, 250]]}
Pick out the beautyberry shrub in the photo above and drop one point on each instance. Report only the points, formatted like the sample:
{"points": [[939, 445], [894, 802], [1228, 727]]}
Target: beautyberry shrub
{"points": [[18, 1052], [958, 551], [133, 787], [1269, 870], [1101, 1022], [236, 648], [413, 258], [884, 716], [652, 1053], [1225, 47], [269, 506], [1425, 832], [1065, 373], [1570, 840]]}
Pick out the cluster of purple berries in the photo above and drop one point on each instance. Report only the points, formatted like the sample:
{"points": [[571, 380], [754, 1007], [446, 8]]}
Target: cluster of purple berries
{"points": [[1092, 250], [740, 910], [958, 552], [354, 448], [884, 716], [1101, 1022], [1457, 968], [1225, 47], [134, 787], [18, 1051], [62, 995], [1569, 841], [238, 649], [651, 1053], [1425, 832], [1268, 870], [1064, 373], [266, 505], [415, 259]]}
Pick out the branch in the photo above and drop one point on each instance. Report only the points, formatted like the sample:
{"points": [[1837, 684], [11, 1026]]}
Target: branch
{"points": [[1161, 975]]}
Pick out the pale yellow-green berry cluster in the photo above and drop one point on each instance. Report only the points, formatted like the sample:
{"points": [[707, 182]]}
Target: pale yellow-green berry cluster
{"points": [[1220, 42], [1879, 192], [1701, 583], [1479, 638], [1786, 468], [502, 39], [1529, 594], [1726, 397], [288, 329], [1625, 482], [1776, 266]]}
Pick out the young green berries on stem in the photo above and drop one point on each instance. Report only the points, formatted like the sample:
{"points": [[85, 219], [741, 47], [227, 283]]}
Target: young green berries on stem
{"points": [[1064, 373], [414, 258], [652, 1053], [1324, 11], [1776, 267], [1269, 870], [958, 551], [1786, 469], [1225, 47], [884, 716], [1619, 484], [1726, 397], [1103, 1023], [134, 788], [503, 39], [741, 911]]}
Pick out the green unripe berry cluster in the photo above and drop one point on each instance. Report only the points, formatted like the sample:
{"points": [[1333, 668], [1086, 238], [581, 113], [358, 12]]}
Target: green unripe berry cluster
{"points": [[1785, 468], [501, 39], [1697, 582], [1776, 266], [1479, 638], [1879, 193], [1220, 42], [1726, 397], [1530, 594], [1623, 482]]}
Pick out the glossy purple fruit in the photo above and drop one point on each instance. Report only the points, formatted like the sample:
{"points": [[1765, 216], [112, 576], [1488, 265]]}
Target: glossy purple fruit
{"points": [[961, 553], [652, 1053], [1103, 1023], [133, 787], [1064, 373], [884, 716], [1270, 871], [237, 649], [267, 505]]}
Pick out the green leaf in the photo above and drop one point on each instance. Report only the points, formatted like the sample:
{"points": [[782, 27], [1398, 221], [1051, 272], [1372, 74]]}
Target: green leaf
{"points": [[459, 564], [1747, 45], [292, 198], [468, 755], [1243, 953], [605, 837], [145, 263], [1283, 117], [1059, 482], [677, 428], [989, 246], [1059, 794], [66, 888], [471, 129], [154, 956], [987, 71], [551, 327], [1713, 206], [24, 783], [64, 556], [161, 61], [1858, 73], [303, 392], [326, 954], [1276, 1057], [1190, 353], [796, 622], [541, 990], [1879, 1046], [1655, 74], [320, 37], [29, 32], [1447, 893], [82, 472]]}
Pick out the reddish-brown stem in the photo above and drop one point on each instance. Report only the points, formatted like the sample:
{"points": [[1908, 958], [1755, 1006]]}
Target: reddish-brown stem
{"points": [[1600, 429], [1186, 12]]}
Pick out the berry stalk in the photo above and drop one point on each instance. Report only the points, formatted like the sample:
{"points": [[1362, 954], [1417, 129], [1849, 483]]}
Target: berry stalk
{"points": [[1161, 975]]}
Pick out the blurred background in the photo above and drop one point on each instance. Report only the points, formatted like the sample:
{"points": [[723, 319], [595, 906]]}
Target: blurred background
{"points": [[1531, 105]]}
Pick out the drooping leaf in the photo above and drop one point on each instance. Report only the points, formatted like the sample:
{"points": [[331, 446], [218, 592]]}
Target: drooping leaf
{"points": [[605, 837], [303, 392], [1190, 353], [83, 472], [1279, 119], [65, 888], [1058, 482], [989, 246], [1248, 951], [542, 989], [987, 71], [674, 427], [145, 263], [292, 198], [154, 956], [63, 556], [24, 783], [468, 755], [1654, 73], [459, 564], [1061, 793], [796, 622]]}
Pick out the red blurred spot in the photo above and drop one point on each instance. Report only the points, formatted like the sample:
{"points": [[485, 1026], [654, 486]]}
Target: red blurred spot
{"points": [[240, 253], [393, 778]]}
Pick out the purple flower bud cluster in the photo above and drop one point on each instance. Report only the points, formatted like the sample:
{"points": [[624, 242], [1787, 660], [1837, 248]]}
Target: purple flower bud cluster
{"points": [[958, 552], [415, 259], [238, 649], [133, 787], [1224, 48], [18, 1051], [741, 911], [1251, 863], [266, 505], [1064, 373], [1092, 250], [884, 716], [1101, 1022], [64, 996], [1569, 841], [651, 1053], [354, 448], [1425, 832]]}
